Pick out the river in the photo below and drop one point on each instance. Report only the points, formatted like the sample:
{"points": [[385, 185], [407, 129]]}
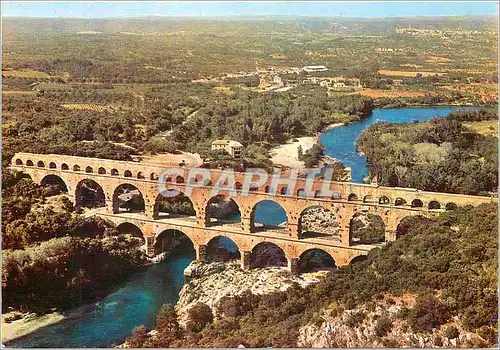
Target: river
{"points": [[340, 143], [138, 300]]}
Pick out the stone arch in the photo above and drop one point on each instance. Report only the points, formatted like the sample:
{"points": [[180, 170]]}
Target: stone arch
{"points": [[173, 204], [222, 248], [29, 162], [317, 221], [451, 206], [266, 254], [366, 228], [267, 214], [399, 201], [89, 194], [19, 161], [128, 198], [131, 229], [64, 166], [40, 164], [269, 189], [368, 198], [417, 203], [301, 192], [89, 169], [352, 197], [127, 173], [357, 259], [54, 180], [52, 165], [221, 209], [253, 188], [171, 242], [114, 172], [384, 200], [26, 176], [285, 191], [317, 193], [434, 205], [101, 171], [336, 195], [76, 167], [315, 259], [153, 176], [140, 175]]}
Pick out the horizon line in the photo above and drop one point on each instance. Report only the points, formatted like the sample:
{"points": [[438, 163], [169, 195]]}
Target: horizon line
{"points": [[247, 16]]}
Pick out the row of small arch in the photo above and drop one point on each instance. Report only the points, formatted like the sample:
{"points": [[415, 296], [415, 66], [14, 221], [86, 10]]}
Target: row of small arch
{"points": [[100, 170], [285, 191]]}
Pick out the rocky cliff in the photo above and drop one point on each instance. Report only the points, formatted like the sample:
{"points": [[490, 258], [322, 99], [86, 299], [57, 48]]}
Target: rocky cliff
{"points": [[213, 281], [381, 324]]}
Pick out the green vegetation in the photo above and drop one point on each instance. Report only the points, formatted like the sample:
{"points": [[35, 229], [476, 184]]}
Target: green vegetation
{"points": [[441, 155], [312, 156], [261, 119], [367, 228], [51, 256], [103, 89], [127, 51], [449, 263]]}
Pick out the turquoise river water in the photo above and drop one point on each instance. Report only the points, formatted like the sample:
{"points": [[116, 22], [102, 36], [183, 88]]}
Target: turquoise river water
{"points": [[137, 300]]}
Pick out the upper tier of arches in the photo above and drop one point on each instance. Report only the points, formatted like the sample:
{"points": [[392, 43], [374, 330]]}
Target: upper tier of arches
{"points": [[358, 193]]}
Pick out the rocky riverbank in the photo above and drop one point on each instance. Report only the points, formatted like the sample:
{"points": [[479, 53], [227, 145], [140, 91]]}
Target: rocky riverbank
{"points": [[212, 281]]}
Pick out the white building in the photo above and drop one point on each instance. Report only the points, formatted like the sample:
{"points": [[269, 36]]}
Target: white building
{"points": [[234, 148], [310, 69]]}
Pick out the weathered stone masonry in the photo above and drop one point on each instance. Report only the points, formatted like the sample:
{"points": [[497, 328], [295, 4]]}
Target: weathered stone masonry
{"points": [[391, 204]]}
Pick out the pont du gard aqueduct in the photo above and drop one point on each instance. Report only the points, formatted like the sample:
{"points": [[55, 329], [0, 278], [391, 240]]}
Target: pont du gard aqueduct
{"points": [[115, 183]]}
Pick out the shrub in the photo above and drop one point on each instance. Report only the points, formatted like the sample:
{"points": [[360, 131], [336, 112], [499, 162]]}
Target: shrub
{"points": [[354, 319], [427, 314], [451, 332], [139, 336], [383, 326], [438, 341], [403, 313], [198, 317], [488, 334]]}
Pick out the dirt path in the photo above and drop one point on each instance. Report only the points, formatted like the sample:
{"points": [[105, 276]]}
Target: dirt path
{"points": [[192, 160]]}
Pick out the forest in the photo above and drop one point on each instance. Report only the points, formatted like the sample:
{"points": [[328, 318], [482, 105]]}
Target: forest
{"points": [[192, 115], [448, 264], [441, 155]]}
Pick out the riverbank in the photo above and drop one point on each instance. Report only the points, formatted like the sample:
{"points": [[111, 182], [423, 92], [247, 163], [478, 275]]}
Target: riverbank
{"points": [[340, 143], [31, 322], [287, 154]]}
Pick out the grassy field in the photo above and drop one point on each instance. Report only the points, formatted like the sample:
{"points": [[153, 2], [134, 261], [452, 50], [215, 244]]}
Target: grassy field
{"points": [[406, 74], [488, 127], [85, 107], [25, 74], [378, 93]]}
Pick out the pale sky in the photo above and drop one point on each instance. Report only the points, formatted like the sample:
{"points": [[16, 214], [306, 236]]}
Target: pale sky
{"points": [[82, 9]]}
